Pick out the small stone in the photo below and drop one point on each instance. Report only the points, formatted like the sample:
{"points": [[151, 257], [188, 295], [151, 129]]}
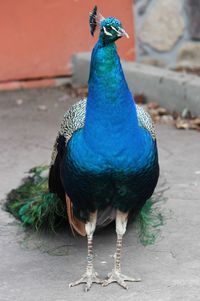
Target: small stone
{"points": [[164, 25], [42, 108], [19, 102], [64, 98]]}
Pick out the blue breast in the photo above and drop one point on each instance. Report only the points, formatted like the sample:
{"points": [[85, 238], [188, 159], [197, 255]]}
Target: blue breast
{"points": [[93, 181]]}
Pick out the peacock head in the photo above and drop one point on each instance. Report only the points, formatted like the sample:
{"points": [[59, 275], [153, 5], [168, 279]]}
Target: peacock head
{"points": [[110, 28]]}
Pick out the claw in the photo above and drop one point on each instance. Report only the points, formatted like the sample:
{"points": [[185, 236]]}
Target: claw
{"points": [[120, 279], [87, 278]]}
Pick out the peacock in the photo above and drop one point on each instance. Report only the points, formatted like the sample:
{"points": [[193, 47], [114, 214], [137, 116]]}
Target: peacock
{"points": [[104, 164], [105, 161]]}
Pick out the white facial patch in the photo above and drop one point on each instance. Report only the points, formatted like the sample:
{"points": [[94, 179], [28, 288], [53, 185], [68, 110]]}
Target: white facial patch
{"points": [[121, 32], [106, 32], [115, 29]]}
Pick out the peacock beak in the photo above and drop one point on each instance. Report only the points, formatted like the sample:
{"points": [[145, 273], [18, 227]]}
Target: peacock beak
{"points": [[122, 33]]}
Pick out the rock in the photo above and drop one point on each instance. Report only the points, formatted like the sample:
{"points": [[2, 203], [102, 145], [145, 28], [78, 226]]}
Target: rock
{"points": [[193, 13], [163, 26], [189, 56]]}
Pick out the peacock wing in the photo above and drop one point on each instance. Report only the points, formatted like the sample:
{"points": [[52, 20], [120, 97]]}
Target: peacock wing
{"points": [[146, 121], [73, 119]]}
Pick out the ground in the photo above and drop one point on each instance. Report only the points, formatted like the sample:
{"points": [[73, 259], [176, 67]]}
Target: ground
{"points": [[39, 267]]}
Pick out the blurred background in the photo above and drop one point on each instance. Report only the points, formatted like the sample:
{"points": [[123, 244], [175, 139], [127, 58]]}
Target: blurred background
{"points": [[38, 38], [168, 33]]}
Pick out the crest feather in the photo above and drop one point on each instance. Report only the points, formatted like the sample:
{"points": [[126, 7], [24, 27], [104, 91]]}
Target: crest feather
{"points": [[93, 20]]}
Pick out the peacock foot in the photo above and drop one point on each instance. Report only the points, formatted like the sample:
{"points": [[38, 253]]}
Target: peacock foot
{"points": [[89, 277], [118, 277]]}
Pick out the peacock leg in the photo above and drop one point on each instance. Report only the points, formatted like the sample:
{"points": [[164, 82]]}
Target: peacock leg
{"points": [[90, 275], [116, 275]]}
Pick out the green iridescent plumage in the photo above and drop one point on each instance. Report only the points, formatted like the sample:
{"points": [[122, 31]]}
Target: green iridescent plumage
{"points": [[34, 205], [149, 222]]}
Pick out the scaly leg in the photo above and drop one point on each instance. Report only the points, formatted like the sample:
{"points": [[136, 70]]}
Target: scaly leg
{"points": [[116, 275], [90, 275]]}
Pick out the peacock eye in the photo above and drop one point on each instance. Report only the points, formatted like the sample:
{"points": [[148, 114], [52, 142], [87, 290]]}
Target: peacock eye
{"points": [[108, 28]]}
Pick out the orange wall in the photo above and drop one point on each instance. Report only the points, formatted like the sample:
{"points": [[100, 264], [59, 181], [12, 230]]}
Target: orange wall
{"points": [[38, 37]]}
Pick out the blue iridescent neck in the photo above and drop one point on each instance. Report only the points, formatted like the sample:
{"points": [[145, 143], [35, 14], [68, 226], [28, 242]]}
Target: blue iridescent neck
{"points": [[111, 111]]}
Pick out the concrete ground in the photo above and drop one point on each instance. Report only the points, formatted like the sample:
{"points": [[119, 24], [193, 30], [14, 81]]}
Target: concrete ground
{"points": [[37, 267]]}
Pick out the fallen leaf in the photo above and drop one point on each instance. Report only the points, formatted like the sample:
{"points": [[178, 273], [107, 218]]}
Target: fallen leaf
{"points": [[182, 124], [140, 99], [152, 105]]}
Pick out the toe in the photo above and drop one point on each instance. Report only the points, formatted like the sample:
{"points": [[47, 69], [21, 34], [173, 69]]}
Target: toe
{"points": [[123, 284], [131, 279], [105, 283], [88, 286], [119, 278], [76, 282]]}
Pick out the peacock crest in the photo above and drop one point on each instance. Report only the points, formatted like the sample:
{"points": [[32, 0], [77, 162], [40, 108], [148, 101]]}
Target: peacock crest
{"points": [[109, 27]]}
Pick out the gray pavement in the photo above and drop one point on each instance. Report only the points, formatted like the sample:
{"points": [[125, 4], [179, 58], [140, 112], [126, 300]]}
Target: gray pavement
{"points": [[38, 267]]}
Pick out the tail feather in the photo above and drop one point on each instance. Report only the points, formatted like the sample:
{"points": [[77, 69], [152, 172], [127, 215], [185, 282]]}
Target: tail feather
{"points": [[34, 205]]}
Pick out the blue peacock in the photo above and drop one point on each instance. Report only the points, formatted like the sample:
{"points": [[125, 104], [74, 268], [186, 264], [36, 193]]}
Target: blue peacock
{"points": [[104, 164], [105, 161]]}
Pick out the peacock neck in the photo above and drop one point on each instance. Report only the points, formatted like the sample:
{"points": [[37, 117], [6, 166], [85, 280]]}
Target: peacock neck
{"points": [[111, 111]]}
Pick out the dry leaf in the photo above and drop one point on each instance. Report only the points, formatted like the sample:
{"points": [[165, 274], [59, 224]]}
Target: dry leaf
{"points": [[140, 98], [152, 105]]}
